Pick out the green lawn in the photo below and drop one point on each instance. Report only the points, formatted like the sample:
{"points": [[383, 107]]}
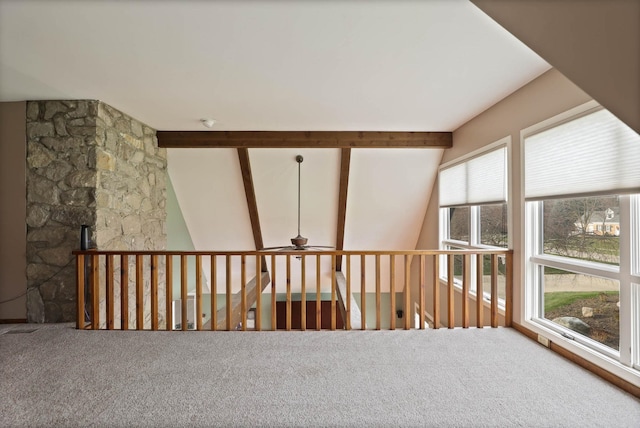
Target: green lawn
{"points": [[553, 301]]}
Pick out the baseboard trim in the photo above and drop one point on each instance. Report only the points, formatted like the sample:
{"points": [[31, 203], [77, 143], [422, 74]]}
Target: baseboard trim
{"points": [[13, 321], [588, 365]]}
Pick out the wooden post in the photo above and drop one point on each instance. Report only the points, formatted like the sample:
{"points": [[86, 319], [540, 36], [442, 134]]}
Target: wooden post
{"points": [[183, 292], [274, 324], [214, 292], [154, 292], [139, 292], [228, 296], [479, 291], [494, 290], [333, 292], [363, 293], [80, 278], [408, 312], [95, 292], [303, 293], [466, 278], [422, 280], [124, 292], [392, 291], [348, 297], [508, 304], [243, 291], [168, 302], [110, 298], [288, 303], [450, 291], [318, 295], [198, 313], [258, 314], [436, 291], [378, 292]]}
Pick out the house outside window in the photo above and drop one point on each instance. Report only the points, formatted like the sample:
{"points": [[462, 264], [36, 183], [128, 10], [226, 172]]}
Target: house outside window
{"points": [[582, 223], [474, 211]]}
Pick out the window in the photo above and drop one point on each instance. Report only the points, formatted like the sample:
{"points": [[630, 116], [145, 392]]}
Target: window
{"points": [[473, 209], [581, 214]]}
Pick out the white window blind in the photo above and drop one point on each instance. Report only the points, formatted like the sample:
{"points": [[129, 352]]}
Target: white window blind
{"points": [[593, 154], [479, 180]]}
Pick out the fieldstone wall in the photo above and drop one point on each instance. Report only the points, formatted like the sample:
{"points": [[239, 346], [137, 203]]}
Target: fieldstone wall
{"points": [[130, 202], [87, 163]]}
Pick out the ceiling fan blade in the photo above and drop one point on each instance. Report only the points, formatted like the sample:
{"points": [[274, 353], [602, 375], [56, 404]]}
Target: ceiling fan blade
{"points": [[277, 248], [317, 247]]}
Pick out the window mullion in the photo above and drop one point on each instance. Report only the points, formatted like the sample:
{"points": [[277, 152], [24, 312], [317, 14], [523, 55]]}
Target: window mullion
{"points": [[626, 301]]}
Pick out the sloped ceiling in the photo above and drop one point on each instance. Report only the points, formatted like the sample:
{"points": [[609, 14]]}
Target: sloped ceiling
{"points": [[596, 44]]}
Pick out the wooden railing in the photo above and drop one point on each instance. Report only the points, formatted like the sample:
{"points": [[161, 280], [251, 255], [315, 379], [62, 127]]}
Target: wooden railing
{"points": [[135, 290]]}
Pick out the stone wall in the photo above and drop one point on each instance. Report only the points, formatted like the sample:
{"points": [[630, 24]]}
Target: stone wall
{"points": [[87, 163]]}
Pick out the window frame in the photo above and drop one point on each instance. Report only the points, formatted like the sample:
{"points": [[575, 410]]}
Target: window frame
{"points": [[626, 361], [474, 221]]}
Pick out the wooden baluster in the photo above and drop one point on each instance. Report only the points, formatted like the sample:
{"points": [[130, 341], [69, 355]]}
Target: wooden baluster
{"points": [[303, 293], [198, 313], [466, 278], [479, 291], [183, 292], [494, 290], [318, 295], [333, 292], [363, 293], [243, 292], [348, 297], [258, 314], [378, 292], [450, 291], [228, 296], [154, 292], [288, 304], [168, 301], [436, 291], [392, 291], [139, 292], [95, 292], [508, 309], [124, 292], [214, 292], [408, 311], [80, 278], [422, 280], [110, 310], [274, 324]]}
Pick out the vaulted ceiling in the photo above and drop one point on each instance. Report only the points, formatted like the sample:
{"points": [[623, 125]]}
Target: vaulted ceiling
{"points": [[276, 65]]}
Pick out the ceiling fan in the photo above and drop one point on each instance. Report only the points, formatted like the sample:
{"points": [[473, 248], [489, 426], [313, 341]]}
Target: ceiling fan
{"points": [[299, 243]]}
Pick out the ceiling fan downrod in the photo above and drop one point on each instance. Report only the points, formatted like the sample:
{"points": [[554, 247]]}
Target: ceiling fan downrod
{"points": [[299, 241]]}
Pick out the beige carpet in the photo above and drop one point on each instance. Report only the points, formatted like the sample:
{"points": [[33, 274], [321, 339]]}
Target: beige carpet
{"points": [[58, 376]]}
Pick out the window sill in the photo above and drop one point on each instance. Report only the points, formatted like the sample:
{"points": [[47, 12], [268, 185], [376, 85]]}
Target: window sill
{"points": [[628, 374]]}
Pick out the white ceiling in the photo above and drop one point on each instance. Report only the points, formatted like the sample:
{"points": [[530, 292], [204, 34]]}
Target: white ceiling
{"points": [[386, 65], [266, 65]]}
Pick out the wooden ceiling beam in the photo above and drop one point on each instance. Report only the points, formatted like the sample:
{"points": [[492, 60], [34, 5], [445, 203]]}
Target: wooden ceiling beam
{"points": [[303, 139], [252, 205], [345, 162]]}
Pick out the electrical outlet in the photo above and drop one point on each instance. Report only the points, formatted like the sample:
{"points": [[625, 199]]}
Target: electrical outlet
{"points": [[543, 340]]}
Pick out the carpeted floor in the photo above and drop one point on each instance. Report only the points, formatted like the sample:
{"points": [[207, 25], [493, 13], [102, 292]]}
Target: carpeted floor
{"points": [[58, 376]]}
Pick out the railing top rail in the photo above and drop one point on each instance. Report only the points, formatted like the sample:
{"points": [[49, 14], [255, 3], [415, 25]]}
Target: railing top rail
{"points": [[294, 252]]}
